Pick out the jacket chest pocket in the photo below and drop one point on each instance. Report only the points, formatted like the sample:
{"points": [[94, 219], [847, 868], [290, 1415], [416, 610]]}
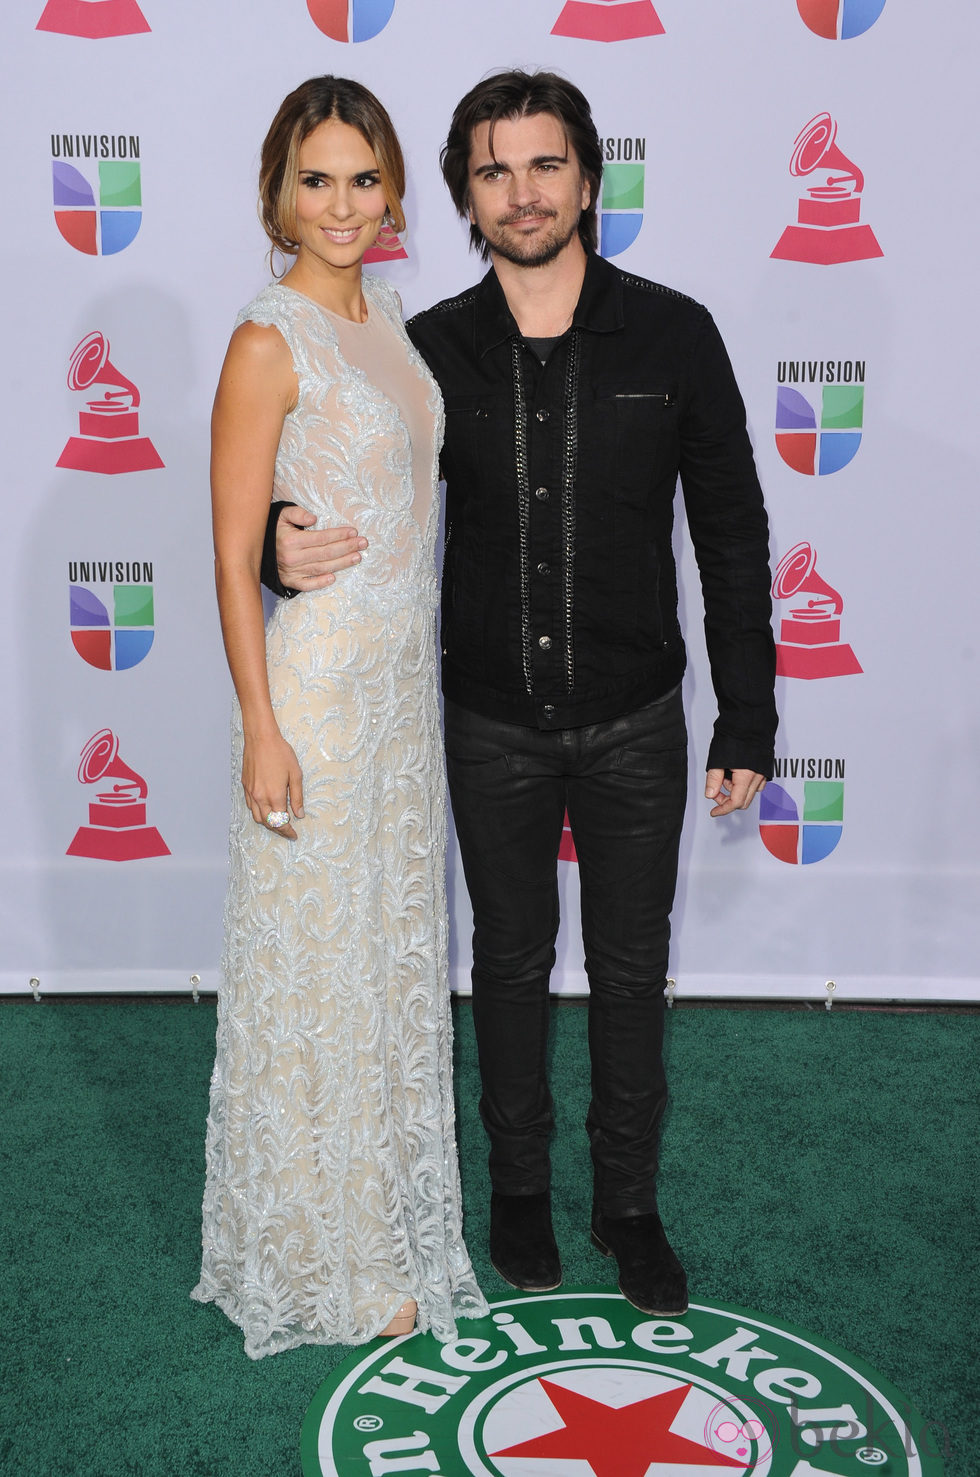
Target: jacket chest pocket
{"points": [[479, 432], [639, 435]]}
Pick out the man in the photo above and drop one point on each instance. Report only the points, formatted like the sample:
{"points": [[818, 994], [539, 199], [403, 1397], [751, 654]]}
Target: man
{"points": [[575, 395]]}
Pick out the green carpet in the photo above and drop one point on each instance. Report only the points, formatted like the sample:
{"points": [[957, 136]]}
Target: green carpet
{"points": [[820, 1167]]}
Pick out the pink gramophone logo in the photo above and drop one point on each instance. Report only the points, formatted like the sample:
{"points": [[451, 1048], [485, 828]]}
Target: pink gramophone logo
{"points": [[608, 20], [566, 847], [117, 829], [93, 19], [828, 228], [387, 247], [108, 437], [809, 643]]}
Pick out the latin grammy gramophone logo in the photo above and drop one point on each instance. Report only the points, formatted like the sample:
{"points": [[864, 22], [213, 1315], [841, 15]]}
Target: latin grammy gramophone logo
{"points": [[840, 20], [350, 20], [387, 247], [608, 20], [94, 19], [809, 644], [108, 437], [566, 847], [828, 228], [117, 829]]}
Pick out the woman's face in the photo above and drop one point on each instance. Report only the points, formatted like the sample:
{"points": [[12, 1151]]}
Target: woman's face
{"points": [[340, 203]]}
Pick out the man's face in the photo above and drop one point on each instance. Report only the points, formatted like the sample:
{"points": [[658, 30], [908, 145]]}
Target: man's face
{"points": [[527, 194]]}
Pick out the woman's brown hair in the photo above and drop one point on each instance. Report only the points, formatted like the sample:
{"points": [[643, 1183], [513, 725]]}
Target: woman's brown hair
{"points": [[312, 103]]}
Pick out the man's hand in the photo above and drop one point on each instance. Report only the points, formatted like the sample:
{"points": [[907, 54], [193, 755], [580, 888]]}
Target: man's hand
{"points": [[734, 789], [309, 559]]}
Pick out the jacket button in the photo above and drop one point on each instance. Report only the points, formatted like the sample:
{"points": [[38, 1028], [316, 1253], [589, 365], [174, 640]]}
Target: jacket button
{"points": [[542, 494], [544, 569], [542, 415], [549, 710], [544, 642]]}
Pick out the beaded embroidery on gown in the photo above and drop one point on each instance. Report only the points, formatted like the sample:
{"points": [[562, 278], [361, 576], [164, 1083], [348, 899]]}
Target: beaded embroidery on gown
{"points": [[332, 1189]]}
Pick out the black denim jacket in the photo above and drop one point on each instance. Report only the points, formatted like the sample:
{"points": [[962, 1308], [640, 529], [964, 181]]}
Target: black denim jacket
{"points": [[559, 594]]}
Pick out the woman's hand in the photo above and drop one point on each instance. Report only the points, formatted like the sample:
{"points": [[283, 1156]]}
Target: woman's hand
{"points": [[272, 781]]}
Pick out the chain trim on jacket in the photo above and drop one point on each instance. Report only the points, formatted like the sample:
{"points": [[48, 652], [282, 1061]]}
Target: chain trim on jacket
{"points": [[523, 508], [569, 469]]}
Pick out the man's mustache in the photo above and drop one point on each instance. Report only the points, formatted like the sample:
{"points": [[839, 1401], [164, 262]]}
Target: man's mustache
{"points": [[530, 212]]}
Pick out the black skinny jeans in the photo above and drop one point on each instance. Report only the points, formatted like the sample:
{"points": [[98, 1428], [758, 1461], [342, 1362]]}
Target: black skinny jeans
{"points": [[623, 783]]}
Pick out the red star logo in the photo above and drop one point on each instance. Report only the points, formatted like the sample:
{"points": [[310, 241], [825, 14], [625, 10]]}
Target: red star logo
{"points": [[619, 1442]]}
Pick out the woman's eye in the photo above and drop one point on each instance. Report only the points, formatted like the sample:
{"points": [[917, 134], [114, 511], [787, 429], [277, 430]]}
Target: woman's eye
{"points": [[312, 181], [367, 181]]}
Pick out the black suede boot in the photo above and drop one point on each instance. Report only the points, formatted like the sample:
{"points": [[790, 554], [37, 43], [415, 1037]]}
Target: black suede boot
{"points": [[522, 1243], [650, 1276]]}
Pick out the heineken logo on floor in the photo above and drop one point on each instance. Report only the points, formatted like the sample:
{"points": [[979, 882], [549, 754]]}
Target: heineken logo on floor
{"points": [[578, 1382]]}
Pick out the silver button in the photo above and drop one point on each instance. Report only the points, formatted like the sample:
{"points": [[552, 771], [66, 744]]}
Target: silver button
{"points": [[544, 642], [549, 710], [543, 415], [542, 494], [544, 569]]}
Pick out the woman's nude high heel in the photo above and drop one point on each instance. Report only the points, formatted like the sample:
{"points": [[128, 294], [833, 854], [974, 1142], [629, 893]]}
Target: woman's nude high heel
{"points": [[403, 1321]]}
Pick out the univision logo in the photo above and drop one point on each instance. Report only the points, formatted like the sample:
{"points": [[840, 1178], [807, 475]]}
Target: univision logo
{"points": [[803, 823], [840, 20], [819, 432], [621, 205], [350, 20], [608, 20], [93, 19], [111, 630], [98, 211]]}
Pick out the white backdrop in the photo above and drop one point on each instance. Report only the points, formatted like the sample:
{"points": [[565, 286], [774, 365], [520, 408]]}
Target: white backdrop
{"points": [[704, 101]]}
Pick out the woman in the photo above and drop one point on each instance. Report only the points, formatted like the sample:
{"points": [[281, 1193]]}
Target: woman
{"points": [[332, 1211]]}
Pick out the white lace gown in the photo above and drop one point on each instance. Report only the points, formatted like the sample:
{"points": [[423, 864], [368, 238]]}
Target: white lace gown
{"points": [[332, 1189]]}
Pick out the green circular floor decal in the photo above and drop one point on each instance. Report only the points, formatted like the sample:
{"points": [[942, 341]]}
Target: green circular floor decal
{"points": [[579, 1384]]}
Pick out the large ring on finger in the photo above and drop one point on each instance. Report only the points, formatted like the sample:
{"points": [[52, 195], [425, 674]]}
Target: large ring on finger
{"points": [[276, 819]]}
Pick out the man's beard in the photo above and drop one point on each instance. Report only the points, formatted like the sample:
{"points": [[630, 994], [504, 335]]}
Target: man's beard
{"points": [[534, 254]]}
